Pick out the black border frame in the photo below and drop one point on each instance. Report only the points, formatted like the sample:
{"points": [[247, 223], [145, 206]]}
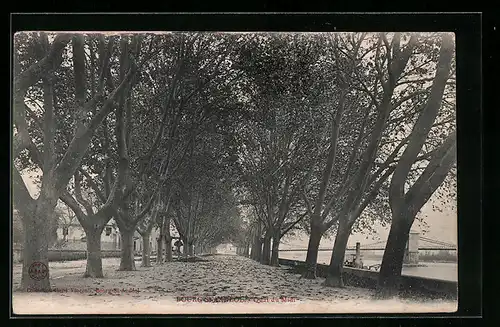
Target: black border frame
{"points": [[469, 110]]}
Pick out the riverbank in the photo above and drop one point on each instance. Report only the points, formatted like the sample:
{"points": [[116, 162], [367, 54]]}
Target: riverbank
{"points": [[436, 270]]}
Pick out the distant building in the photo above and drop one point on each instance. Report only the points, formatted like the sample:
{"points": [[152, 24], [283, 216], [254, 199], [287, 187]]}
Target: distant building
{"points": [[153, 243], [72, 237], [153, 239]]}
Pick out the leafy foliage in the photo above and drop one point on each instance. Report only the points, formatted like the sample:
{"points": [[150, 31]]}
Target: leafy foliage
{"points": [[222, 121]]}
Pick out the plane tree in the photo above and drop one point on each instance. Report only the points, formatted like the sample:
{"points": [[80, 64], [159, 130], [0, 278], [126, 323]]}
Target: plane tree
{"points": [[201, 72], [378, 158], [145, 227], [220, 222], [407, 200], [345, 53], [203, 191], [98, 170], [198, 103], [163, 224], [285, 87], [243, 238], [38, 58], [354, 170]]}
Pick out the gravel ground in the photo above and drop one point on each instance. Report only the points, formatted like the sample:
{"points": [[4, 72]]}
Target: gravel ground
{"points": [[218, 284]]}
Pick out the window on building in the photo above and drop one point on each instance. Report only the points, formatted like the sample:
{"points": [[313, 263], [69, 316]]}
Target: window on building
{"points": [[108, 230]]}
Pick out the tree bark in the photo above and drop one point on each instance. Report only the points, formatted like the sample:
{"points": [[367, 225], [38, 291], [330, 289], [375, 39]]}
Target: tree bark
{"points": [[335, 269], [168, 247], [266, 250], [404, 206], [256, 249], [185, 250], [168, 241], [159, 251], [190, 248], [160, 241], [127, 262], [275, 248], [392, 261], [55, 180], [312, 253], [146, 250], [424, 123], [247, 250], [94, 254], [30, 76], [35, 252]]}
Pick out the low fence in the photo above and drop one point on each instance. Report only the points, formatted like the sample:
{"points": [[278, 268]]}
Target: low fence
{"points": [[368, 279], [78, 245], [66, 255], [70, 250]]}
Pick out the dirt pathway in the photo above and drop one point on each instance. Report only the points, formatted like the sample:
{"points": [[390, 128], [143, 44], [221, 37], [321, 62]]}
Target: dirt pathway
{"points": [[214, 285]]}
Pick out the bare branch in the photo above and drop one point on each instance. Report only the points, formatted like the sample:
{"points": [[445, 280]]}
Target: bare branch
{"points": [[78, 194], [74, 206], [34, 73], [291, 225], [423, 125], [93, 185]]}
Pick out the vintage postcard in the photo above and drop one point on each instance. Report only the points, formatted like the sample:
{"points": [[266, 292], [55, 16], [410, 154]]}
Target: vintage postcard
{"points": [[202, 173]]}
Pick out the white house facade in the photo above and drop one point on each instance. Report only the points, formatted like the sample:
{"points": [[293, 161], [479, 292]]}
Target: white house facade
{"points": [[72, 237]]}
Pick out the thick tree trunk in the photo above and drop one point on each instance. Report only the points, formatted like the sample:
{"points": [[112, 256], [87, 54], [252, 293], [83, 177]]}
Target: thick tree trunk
{"points": [[146, 250], [392, 261], [168, 247], [275, 248], [160, 241], [168, 240], [159, 251], [312, 253], [190, 249], [335, 270], [185, 246], [127, 262], [266, 250], [246, 250], [94, 255], [256, 249], [35, 272]]}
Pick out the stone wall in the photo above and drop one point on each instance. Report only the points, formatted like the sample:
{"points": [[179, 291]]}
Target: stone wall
{"points": [[368, 279]]}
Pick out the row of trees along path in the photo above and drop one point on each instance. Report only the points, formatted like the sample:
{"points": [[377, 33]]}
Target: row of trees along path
{"points": [[392, 114], [240, 138]]}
